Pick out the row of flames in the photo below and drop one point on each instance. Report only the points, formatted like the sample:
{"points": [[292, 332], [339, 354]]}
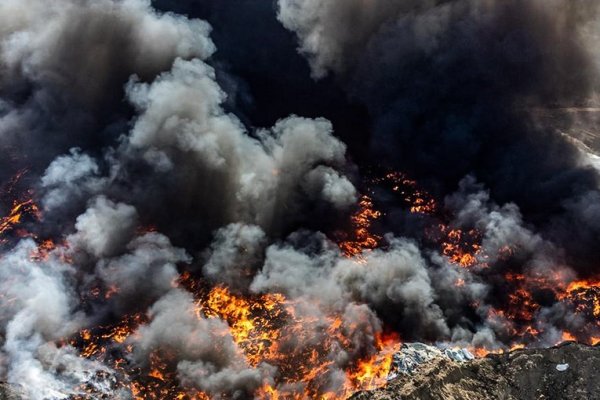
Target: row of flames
{"points": [[462, 248], [262, 326]]}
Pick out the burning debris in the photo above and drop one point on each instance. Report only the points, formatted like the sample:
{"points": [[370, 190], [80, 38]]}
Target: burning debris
{"points": [[164, 247], [361, 221], [274, 333]]}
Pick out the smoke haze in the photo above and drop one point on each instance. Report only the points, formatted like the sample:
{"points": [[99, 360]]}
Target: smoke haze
{"points": [[181, 155]]}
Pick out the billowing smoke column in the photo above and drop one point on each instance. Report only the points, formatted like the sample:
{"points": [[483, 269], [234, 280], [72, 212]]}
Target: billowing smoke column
{"points": [[157, 244], [456, 88]]}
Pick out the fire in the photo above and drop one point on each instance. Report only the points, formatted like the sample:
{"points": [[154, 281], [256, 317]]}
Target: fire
{"points": [[522, 307], [267, 329], [263, 326], [361, 222], [418, 200], [585, 295], [17, 213], [362, 239], [251, 321], [43, 250], [107, 344], [157, 367], [95, 342], [275, 330], [372, 373], [461, 248], [23, 206]]}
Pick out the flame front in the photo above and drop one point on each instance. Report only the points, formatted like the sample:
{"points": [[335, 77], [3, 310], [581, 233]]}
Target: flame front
{"points": [[362, 238], [267, 329], [271, 329]]}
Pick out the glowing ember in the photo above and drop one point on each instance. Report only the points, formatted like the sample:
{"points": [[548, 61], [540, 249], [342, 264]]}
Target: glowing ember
{"points": [[19, 210], [272, 329], [584, 295], [418, 200], [361, 221], [461, 248]]}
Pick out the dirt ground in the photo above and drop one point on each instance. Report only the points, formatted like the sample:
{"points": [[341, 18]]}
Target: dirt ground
{"points": [[519, 375]]}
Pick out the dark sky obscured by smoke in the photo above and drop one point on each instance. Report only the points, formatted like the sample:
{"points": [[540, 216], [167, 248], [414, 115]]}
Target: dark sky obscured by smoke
{"points": [[452, 87]]}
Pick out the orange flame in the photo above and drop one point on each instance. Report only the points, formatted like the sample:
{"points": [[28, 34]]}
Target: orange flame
{"points": [[361, 221], [18, 211], [273, 329], [461, 248]]}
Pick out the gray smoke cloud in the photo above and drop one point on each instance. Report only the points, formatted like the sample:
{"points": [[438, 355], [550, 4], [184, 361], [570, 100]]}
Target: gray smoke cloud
{"points": [[215, 165], [63, 66], [516, 68], [144, 169], [143, 274], [64, 70], [235, 255], [333, 34], [204, 350], [394, 279], [104, 228]]}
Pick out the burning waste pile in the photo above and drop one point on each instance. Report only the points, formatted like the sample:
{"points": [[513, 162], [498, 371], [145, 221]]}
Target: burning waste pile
{"points": [[172, 229]]}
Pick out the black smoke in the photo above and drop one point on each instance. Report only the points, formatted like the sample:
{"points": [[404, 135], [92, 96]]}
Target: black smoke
{"points": [[456, 88], [227, 140]]}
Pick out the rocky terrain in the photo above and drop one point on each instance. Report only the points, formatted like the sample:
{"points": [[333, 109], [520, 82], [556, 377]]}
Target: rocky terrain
{"points": [[566, 372]]}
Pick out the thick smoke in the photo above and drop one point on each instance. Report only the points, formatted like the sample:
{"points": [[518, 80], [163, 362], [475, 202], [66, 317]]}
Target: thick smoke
{"points": [[235, 255], [155, 161], [453, 88], [219, 172], [63, 66], [186, 167], [39, 308], [205, 352], [334, 34]]}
